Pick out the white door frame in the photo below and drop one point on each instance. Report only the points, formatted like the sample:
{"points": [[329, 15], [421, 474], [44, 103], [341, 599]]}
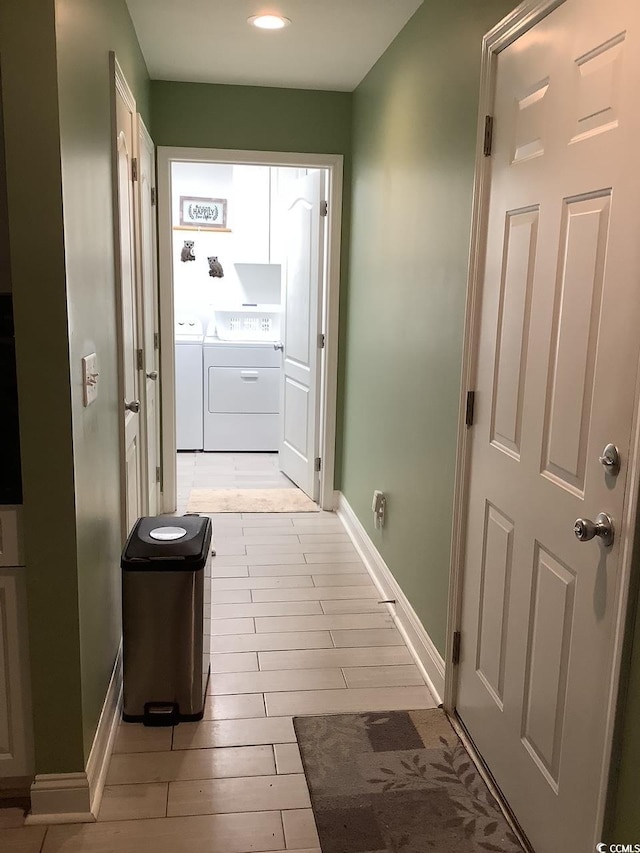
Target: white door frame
{"points": [[333, 163], [522, 19]]}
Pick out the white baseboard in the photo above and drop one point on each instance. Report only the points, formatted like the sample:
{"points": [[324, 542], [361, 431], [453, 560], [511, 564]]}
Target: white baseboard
{"points": [[76, 797], [420, 644]]}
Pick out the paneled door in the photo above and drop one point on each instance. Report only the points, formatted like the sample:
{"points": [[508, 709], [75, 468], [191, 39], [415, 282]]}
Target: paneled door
{"points": [[129, 381], [556, 364], [300, 375], [148, 304]]}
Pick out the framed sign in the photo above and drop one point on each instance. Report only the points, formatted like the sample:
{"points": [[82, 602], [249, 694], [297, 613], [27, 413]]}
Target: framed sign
{"points": [[208, 213]]}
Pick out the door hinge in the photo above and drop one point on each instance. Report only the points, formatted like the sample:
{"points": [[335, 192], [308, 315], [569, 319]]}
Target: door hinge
{"points": [[321, 341], [471, 403], [139, 358], [156, 340], [134, 168], [153, 196], [324, 208], [488, 136], [455, 654], [317, 466], [158, 474]]}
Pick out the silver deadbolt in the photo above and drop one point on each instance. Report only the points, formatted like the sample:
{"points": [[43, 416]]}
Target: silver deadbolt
{"points": [[152, 375], [279, 346], [585, 529], [133, 406], [610, 459]]}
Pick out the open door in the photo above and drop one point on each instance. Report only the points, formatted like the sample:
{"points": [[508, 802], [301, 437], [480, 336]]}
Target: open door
{"points": [[148, 302], [130, 452], [303, 227]]}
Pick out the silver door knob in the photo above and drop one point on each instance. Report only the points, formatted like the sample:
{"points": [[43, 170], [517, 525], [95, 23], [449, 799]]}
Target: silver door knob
{"points": [[610, 459], [133, 406], [585, 529], [153, 374], [279, 346]]}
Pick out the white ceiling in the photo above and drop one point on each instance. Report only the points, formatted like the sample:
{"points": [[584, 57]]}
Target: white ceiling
{"points": [[331, 44]]}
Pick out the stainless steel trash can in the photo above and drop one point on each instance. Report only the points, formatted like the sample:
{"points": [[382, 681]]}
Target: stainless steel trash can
{"points": [[166, 586]]}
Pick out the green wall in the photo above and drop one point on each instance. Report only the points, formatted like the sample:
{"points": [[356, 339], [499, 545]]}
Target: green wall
{"points": [[55, 87], [30, 103], [414, 130], [86, 32]]}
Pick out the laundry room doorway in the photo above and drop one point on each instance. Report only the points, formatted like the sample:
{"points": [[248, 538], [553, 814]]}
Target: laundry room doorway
{"points": [[249, 252]]}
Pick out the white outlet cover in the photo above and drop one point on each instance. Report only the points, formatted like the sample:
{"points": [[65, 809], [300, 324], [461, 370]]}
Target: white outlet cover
{"points": [[89, 379]]}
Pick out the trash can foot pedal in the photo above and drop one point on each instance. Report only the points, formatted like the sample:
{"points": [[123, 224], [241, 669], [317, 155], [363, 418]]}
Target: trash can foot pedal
{"points": [[161, 714]]}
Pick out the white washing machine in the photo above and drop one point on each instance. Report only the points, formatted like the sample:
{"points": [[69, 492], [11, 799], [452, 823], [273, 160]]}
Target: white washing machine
{"points": [[189, 384], [241, 394]]}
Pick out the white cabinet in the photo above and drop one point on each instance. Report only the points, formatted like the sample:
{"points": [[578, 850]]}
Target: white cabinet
{"points": [[249, 214], [16, 725]]}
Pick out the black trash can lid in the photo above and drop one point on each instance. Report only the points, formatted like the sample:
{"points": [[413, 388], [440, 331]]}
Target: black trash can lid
{"points": [[179, 543]]}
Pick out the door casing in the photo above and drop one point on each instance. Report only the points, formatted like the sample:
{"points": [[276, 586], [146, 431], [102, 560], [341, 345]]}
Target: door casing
{"points": [[518, 22], [333, 163]]}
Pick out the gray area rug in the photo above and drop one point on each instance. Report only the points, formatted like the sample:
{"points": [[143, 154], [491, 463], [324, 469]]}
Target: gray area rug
{"points": [[397, 782]]}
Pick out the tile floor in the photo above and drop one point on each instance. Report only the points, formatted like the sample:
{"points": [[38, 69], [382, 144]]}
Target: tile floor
{"points": [[295, 629]]}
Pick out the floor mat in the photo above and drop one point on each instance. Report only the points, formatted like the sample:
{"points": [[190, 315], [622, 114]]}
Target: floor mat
{"points": [[250, 500], [397, 782]]}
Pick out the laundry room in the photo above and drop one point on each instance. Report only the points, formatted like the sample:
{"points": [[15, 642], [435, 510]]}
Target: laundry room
{"points": [[236, 230]]}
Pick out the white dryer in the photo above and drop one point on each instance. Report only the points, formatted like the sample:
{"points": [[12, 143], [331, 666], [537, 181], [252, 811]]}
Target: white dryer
{"points": [[189, 384], [241, 394]]}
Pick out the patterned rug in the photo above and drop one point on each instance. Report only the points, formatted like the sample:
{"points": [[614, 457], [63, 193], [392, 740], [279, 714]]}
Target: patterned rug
{"points": [[397, 782], [250, 500]]}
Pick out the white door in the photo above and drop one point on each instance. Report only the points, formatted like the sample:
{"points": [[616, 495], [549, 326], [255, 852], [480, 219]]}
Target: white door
{"points": [[149, 317], [556, 372], [302, 292], [131, 461]]}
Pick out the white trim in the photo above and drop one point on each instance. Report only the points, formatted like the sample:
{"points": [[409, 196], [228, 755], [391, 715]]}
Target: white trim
{"points": [[76, 797], [11, 550], [527, 15], [427, 657], [333, 163]]}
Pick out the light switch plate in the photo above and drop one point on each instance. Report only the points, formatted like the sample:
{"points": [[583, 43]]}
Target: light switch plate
{"points": [[90, 379]]}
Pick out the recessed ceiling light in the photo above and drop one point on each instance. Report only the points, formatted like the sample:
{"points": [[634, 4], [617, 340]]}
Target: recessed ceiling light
{"points": [[269, 22]]}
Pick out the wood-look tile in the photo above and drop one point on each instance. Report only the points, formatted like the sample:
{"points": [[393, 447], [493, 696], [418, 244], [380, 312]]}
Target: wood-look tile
{"points": [[312, 558], [134, 737], [311, 538], [25, 839], [287, 582], [320, 593], [383, 676], [133, 802], [300, 829], [276, 680], [257, 539], [231, 596], [243, 706], [300, 548], [322, 523], [389, 636], [223, 548], [302, 568], [257, 560], [361, 579], [269, 608], [327, 658], [251, 524], [232, 626], [209, 734], [360, 605], [287, 756], [254, 793], [273, 624], [188, 764], [349, 701], [228, 833], [234, 662], [229, 571], [273, 642]]}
